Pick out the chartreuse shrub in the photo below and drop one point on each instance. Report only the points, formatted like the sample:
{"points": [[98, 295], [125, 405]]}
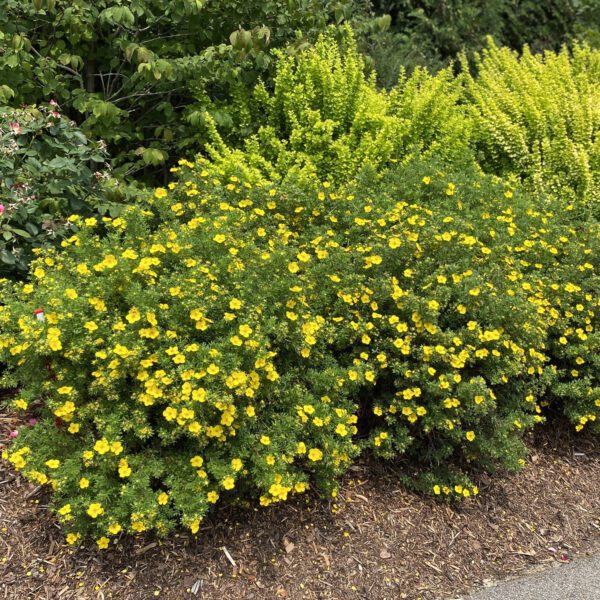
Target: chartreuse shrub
{"points": [[326, 116], [538, 117], [48, 171], [222, 339]]}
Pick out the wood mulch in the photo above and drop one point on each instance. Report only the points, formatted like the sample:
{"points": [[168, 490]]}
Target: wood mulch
{"points": [[378, 541]]}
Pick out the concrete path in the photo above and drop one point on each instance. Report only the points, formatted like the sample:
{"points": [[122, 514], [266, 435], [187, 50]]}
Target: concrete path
{"points": [[579, 580]]}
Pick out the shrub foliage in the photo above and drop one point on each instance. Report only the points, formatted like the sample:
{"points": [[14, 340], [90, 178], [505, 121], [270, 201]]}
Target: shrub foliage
{"points": [[45, 176], [419, 316], [538, 117]]}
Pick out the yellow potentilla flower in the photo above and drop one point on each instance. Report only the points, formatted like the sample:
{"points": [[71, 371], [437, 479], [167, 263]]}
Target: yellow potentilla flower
{"points": [[53, 463], [95, 510], [228, 483], [265, 440], [90, 326], [315, 454], [74, 428], [102, 446], [219, 238], [65, 510], [72, 538], [71, 293], [124, 469], [212, 369], [162, 498], [116, 448], [103, 543], [245, 330], [170, 413], [196, 461], [114, 528], [470, 435], [160, 193], [84, 483], [212, 497], [394, 243]]}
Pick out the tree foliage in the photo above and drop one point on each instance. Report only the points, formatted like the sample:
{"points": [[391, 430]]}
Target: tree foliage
{"points": [[128, 70]]}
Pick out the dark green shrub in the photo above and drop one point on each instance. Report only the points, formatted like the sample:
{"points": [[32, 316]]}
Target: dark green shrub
{"points": [[48, 171]]}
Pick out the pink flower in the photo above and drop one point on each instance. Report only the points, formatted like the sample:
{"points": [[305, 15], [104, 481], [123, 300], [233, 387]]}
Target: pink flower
{"points": [[15, 128], [32, 421], [53, 102], [2, 208], [13, 434]]}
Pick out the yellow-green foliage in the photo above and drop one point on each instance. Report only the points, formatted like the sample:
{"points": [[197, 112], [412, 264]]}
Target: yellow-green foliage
{"points": [[220, 340], [326, 116], [538, 117]]}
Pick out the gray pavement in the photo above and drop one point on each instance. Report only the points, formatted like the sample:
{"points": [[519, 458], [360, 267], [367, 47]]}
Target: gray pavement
{"points": [[579, 580]]}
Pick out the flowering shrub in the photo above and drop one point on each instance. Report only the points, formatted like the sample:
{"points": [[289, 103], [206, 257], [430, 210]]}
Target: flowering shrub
{"points": [[230, 337], [538, 117], [325, 116], [45, 176]]}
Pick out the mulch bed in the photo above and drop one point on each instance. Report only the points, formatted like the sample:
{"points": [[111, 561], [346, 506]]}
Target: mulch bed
{"points": [[378, 541]]}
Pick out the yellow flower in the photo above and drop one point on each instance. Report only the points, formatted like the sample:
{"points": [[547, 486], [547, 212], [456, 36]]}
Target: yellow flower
{"points": [[245, 330], [95, 510], [71, 293], [84, 483], [228, 483], [114, 528], [163, 498], [315, 454], [72, 538], [470, 435], [160, 193], [116, 448], [65, 510], [124, 469], [265, 440], [102, 446], [197, 461], [53, 463], [212, 497], [170, 413], [103, 543], [236, 464], [90, 326]]}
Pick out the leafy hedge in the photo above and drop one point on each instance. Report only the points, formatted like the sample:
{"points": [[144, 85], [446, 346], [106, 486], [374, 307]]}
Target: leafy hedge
{"points": [[538, 117], [435, 304], [48, 171]]}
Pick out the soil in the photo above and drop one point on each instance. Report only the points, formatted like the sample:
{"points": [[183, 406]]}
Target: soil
{"points": [[378, 541]]}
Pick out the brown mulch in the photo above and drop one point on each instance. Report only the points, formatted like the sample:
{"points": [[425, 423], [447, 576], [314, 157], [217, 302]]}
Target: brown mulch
{"points": [[378, 541]]}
